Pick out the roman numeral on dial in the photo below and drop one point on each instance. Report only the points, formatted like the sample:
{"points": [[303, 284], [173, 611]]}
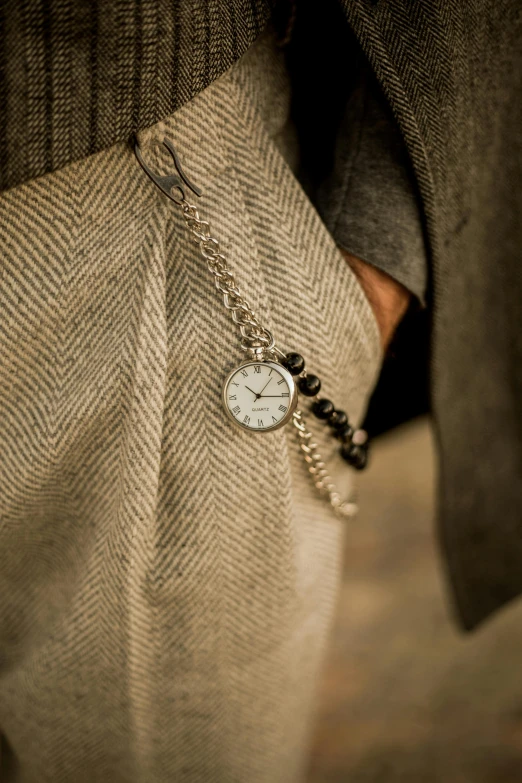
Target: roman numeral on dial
{"points": [[282, 408], [236, 410], [260, 423], [246, 420], [244, 373], [257, 368], [232, 397]]}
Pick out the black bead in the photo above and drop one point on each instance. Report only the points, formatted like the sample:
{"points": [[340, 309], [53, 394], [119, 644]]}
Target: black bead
{"points": [[348, 453], [338, 419], [323, 409], [344, 433], [356, 456], [310, 385], [362, 458], [294, 363]]}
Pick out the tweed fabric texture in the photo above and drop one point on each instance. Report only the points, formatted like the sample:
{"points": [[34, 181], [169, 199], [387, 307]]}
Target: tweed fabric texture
{"points": [[368, 202], [166, 580], [452, 72], [77, 77]]}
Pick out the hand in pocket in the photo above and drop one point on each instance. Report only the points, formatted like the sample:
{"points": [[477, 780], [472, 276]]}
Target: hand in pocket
{"points": [[388, 298]]}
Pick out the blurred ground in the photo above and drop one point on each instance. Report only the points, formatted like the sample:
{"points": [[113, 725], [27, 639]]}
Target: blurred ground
{"points": [[406, 697]]}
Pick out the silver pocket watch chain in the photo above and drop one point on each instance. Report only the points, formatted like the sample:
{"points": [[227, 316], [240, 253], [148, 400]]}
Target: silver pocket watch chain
{"points": [[264, 366]]}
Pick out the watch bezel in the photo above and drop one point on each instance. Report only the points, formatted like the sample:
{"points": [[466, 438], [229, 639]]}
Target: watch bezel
{"points": [[292, 402]]}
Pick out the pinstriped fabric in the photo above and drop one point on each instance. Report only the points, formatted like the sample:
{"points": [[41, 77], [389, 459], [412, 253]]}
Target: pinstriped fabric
{"points": [[77, 77], [166, 582]]}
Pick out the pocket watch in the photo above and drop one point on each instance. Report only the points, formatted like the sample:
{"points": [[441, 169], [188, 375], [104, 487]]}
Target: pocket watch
{"points": [[260, 396]]}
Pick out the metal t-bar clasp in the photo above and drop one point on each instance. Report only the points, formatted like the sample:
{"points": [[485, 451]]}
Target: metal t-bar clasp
{"points": [[172, 185]]}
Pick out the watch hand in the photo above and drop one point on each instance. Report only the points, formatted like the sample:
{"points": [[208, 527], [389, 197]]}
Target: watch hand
{"points": [[270, 395], [264, 387], [256, 395]]}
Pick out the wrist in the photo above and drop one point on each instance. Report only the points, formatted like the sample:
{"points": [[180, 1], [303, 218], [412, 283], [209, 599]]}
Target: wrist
{"points": [[388, 298]]}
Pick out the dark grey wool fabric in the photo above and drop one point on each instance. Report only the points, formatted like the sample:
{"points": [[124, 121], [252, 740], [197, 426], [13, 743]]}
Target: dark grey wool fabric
{"points": [[452, 72], [369, 202], [76, 77]]}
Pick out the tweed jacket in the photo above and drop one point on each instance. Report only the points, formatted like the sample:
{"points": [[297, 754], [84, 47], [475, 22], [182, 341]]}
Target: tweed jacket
{"points": [[451, 70]]}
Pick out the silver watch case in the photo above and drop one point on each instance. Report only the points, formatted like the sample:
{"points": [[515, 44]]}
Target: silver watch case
{"points": [[289, 378]]}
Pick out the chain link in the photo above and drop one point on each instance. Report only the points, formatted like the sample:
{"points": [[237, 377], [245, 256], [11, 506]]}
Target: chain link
{"points": [[317, 468], [252, 331]]}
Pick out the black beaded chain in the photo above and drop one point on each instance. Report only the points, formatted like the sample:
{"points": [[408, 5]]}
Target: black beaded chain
{"points": [[354, 443]]}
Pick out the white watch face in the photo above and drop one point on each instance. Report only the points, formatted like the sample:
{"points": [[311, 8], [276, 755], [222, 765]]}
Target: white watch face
{"points": [[260, 396]]}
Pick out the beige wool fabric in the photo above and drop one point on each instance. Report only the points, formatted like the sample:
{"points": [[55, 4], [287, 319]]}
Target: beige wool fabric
{"points": [[166, 580]]}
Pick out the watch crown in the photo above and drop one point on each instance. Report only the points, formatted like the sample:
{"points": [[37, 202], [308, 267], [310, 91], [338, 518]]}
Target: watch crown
{"points": [[257, 352]]}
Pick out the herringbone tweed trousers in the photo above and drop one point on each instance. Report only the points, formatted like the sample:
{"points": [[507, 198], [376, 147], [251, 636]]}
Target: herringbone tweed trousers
{"points": [[166, 579]]}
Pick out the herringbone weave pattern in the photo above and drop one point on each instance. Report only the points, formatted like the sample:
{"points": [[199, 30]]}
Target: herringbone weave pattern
{"points": [[452, 72], [166, 582]]}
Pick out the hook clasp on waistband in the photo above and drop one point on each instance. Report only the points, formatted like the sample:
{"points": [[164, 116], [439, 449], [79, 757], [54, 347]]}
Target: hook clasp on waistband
{"points": [[172, 185]]}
